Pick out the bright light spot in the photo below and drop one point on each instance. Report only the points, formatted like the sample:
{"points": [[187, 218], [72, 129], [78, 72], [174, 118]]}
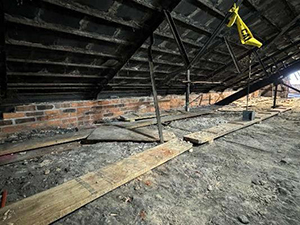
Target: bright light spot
{"points": [[295, 78]]}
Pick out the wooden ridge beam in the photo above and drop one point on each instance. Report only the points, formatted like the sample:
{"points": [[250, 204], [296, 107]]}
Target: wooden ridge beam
{"points": [[51, 205]]}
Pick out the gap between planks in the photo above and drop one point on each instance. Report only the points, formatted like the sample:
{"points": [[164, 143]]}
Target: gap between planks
{"points": [[55, 203]]}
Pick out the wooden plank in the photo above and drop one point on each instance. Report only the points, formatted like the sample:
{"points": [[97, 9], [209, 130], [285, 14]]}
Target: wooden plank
{"points": [[141, 116], [280, 109], [212, 133], [55, 203], [165, 119], [43, 142], [12, 158], [115, 133]]}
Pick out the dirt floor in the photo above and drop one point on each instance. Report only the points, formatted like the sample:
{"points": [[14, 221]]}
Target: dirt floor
{"points": [[251, 176]]}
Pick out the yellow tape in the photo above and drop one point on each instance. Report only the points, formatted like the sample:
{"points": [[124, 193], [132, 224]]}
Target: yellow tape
{"points": [[245, 34]]}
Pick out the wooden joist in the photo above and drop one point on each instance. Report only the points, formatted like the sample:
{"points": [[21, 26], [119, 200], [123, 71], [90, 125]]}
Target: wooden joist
{"points": [[114, 133], [142, 116], [55, 203], [45, 142], [165, 119], [213, 133]]}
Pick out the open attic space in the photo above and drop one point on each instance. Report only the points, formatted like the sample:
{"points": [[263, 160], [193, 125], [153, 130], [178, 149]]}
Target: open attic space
{"points": [[150, 112]]}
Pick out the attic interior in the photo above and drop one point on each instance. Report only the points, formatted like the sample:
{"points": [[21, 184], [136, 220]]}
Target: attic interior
{"points": [[150, 112]]}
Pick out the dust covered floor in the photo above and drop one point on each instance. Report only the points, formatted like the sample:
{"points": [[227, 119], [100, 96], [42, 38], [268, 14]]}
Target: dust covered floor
{"points": [[250, 176]]}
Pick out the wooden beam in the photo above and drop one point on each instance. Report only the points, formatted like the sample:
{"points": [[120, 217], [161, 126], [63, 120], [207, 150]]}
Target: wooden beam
{"points": [[64, 29], [88, 11], [260, 84], [57, 63], [164, 119], [55, 203], [46, 142], [70, 49], [210, 134], [202, 82]]}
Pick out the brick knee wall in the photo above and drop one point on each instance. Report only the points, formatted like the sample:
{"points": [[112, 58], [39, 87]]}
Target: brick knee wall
{"points": [[84, 114]]}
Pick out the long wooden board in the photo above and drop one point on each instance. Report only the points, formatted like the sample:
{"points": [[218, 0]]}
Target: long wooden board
{"points": [[49, 206], [148, 122], [141, 116], [12, 158], [115, 133], [43, 142], [213, 133]]}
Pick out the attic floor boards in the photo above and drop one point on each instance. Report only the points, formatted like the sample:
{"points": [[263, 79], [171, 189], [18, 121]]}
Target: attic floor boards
{"points": [[253, 172]]}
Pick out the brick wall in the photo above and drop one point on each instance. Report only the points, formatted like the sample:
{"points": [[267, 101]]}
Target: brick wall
{"points": [[85, 113]]}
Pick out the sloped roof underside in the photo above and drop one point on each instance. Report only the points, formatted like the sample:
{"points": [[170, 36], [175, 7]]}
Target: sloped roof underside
{"points": [[63, 49]]}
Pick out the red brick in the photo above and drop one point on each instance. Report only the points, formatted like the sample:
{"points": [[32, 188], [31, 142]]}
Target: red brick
{"points": [[52, 112], [5, 122], [25, 120], [13, 129], [24, 108], [44, 107], [13, 115], [62, 105], [31, 114]]}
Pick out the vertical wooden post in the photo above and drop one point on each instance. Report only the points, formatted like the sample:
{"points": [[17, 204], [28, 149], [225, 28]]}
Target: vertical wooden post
{"points": [[156, 105], [188, 90], [275, 95], [3, 74]]}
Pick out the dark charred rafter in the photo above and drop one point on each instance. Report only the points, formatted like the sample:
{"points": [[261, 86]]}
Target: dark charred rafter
{"points": [[3, 74], [261, 14], [157, 21], [203, 49], [291, 87], [73, 50], [177, 38], [236, 81], [63, 29], [93, 12], [257, 75], [207, 7], [234, 59], [261, 63], [265, 48], [91, 46], [261, 83], [56, 63]]}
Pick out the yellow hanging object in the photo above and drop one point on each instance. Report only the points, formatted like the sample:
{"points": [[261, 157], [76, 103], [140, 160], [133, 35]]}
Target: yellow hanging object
{"points": [[245, 34]]}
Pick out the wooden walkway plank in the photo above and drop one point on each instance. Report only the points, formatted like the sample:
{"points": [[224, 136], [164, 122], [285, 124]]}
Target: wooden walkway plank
{"points": [[43, 142], [212, 133], [55, 203]]}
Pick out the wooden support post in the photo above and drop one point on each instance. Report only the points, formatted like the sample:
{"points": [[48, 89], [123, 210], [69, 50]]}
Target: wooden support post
{"points": [[275, 95], [188, 90], [3, 74], [157, 112]]}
